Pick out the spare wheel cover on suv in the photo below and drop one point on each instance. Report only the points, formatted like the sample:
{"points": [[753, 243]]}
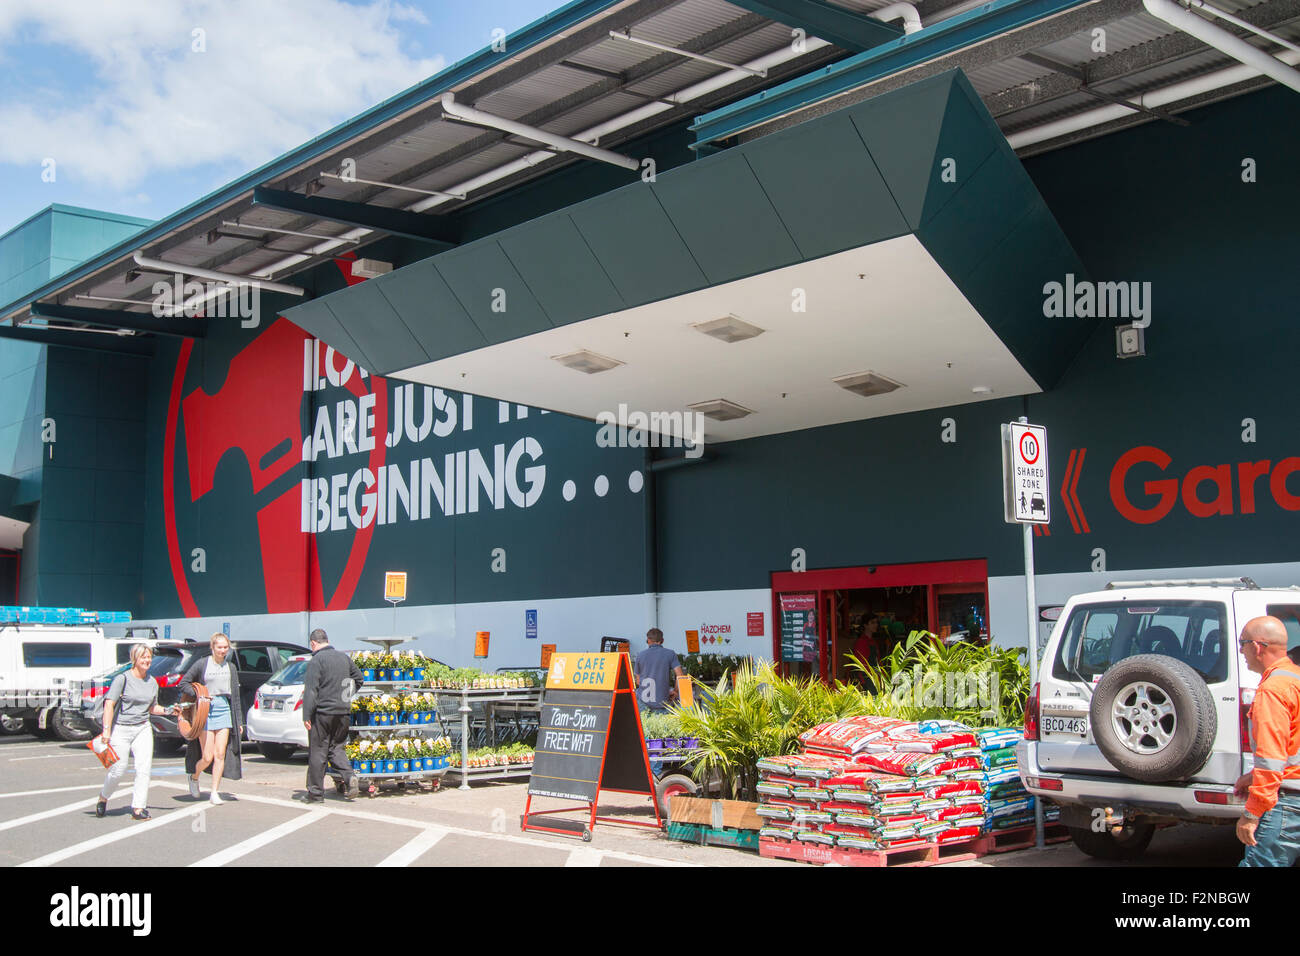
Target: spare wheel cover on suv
{"points": [[1153, 718]]}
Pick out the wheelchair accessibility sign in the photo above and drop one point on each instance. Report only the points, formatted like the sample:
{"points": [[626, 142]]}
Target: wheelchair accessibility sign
{"points": [[1024, 473]]}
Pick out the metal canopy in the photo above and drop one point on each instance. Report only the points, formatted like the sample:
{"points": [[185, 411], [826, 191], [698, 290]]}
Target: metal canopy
{"points": [[1032, 61], [563, 74], [940, 279]]}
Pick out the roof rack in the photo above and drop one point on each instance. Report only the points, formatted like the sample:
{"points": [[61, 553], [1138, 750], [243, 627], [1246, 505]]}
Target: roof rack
{"points": [[60, 615], [1242, 582]]}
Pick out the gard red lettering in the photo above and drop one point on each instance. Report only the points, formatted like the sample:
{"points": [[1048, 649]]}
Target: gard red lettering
{"points": [[1247, 473], [1277, 484], [1166, 488], [1167, 491], [1221, 476]]}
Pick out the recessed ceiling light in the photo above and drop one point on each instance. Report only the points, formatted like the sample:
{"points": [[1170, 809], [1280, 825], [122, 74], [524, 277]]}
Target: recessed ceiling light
{"points": [[728, 329], [867, 383], [721, 410], [982, 390], [585, 361]]}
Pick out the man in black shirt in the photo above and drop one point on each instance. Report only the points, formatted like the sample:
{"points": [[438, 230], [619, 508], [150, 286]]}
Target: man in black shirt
{"points": [[331, 681]]}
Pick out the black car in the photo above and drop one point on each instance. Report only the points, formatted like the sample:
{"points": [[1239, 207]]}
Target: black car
{"points": [[255, 661]]}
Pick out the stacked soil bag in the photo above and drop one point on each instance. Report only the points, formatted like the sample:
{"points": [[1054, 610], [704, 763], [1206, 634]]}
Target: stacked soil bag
{"points": [[875, 783], [1010, 805]]}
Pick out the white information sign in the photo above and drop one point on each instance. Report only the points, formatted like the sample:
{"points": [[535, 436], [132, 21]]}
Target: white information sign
{"points": [[1026, 496]]}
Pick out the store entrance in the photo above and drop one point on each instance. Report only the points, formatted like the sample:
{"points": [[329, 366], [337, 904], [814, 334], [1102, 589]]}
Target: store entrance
{"points": [[824, 616]]}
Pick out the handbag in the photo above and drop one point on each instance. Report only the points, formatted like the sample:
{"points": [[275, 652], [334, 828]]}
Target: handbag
{"points": [[102, 749], [194, 712]]}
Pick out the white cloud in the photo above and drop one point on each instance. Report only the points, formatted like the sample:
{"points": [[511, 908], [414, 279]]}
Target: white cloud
{"points": [[273, 76]]}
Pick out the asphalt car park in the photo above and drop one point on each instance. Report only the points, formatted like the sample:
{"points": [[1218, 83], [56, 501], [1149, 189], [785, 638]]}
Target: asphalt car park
{"points": [[48, 791]]}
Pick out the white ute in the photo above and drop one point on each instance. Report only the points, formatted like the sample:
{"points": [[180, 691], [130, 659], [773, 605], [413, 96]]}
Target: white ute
{"points": [[41, 664], [1139, 714]]}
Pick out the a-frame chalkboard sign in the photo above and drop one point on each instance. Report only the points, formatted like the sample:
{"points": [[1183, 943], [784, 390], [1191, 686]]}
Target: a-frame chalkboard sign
{"points": [[589, 739]]}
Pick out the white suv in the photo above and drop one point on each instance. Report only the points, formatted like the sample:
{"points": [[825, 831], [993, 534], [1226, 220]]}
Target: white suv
{"points": [[1139, 714]]}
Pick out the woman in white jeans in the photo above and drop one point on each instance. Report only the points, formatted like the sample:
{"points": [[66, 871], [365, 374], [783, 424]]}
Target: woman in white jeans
{"points": [[131, 698]]}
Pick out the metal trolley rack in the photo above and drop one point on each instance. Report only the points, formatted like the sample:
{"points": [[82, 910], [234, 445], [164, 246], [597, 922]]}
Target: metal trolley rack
{"points": [[498, 704], [374, 688]]}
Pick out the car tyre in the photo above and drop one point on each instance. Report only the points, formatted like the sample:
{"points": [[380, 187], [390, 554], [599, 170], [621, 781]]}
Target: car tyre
{"points": [[1128, 843], [65, 731], [275, 751], [1185, 718]]}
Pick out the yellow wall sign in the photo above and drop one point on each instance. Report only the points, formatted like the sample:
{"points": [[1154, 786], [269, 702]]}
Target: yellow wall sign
{"points": [[583, 671], [395, 586]]}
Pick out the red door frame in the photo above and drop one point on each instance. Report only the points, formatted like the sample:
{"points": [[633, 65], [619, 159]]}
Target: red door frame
{"points": [[931, 575]]}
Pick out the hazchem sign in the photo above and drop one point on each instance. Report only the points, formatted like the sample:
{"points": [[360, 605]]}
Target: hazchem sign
{"points": [[1025, 495]]}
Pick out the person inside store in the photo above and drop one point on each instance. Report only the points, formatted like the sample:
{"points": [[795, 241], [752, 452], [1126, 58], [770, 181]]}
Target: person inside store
{"points": [[131, 698], [1270, 825], [655, 671], [331, 681], [218, 746], [866, 647]]}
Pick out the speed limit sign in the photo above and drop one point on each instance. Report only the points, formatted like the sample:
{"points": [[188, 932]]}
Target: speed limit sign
{"points": [[1026, 499]]}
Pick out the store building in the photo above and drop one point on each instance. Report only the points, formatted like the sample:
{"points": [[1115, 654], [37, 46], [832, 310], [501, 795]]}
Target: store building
{"points": [[854, 256]]}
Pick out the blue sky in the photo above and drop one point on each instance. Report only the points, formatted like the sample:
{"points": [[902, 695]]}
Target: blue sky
{"points": [[143, 107]]}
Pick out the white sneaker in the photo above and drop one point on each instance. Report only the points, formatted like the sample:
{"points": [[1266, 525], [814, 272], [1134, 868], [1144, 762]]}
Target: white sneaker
{"points": [[215, 799], [194, 788]]}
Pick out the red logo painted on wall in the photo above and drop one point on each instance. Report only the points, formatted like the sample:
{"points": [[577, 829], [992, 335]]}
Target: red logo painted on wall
{"points": [[258, 413]]}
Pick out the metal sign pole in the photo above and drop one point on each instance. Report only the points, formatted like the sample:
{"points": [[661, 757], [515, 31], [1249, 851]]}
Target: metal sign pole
{"points": [[1031, 618]]}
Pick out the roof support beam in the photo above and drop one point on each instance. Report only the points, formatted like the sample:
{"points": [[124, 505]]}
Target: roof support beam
{"points": [[397, 222], [845, 28], [89, 341], [120, 319]]}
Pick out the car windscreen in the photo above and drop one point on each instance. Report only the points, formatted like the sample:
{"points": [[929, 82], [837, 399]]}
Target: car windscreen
{"points": [[290, 673], [164, 662], [1099, 635]]}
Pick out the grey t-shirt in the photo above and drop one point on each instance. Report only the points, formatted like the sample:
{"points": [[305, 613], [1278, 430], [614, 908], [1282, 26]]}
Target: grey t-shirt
{"points": [[654, 672], [132, 698], [216, 677]]}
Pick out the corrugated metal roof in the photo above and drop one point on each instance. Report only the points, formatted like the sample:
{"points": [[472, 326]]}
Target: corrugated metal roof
{"points": [[1117, 36]]}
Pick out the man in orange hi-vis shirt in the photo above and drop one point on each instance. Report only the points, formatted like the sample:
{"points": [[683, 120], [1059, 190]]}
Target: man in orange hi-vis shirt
{"points": [[1270, 827]]}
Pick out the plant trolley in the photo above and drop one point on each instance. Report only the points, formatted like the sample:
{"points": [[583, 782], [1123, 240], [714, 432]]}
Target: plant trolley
{"points": [[409, 773]]}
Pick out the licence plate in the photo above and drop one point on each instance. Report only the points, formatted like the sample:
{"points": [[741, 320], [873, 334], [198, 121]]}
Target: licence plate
{"points": [[1069, 726], [275, 705]]}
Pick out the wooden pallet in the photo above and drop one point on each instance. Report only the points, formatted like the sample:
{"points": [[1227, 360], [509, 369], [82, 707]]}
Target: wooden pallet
{"points": [[1022, 838], [928, 854], [712, 836]]}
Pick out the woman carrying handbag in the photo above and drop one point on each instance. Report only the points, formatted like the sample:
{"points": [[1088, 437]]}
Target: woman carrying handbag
{"points": [[131, 698], [218, 745]]}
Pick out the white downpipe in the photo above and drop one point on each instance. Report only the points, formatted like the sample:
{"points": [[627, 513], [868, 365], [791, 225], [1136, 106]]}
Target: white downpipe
{"points": [[562, 143], [1225, 15], [1213, 35], [910, 16], [680, 98], [1152, 100]]}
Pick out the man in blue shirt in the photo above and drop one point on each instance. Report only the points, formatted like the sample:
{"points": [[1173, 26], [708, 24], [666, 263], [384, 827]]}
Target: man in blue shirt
{"points": [[656, 671]]}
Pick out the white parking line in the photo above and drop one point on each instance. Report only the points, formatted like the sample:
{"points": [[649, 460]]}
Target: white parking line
{"points": [[459, 831], [49, 757], [54, 812], [245, 847], [37, 793], [584, 857], [414, 849], [136, 829]]}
